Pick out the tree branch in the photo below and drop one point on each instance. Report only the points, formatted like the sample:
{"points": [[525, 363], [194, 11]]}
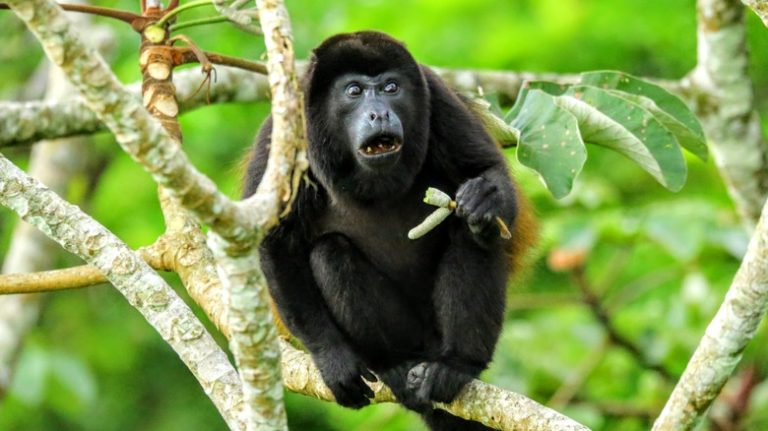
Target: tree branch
{"points": [[119, 15], [187, 56], [183, 249], [478, 401], [253, 336], [721, 348], [760, 7], [720, 89], [50, 281]]}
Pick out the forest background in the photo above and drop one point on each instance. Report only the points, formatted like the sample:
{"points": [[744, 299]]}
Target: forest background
{"points": [[658, 262]]}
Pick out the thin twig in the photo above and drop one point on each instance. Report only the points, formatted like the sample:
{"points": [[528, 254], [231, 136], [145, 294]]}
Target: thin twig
{"points": [[120, 15], [186, 6], [75, 277], [186, 55], [196, 22]]}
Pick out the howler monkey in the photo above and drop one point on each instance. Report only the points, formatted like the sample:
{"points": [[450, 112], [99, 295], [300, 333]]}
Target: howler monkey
{"points": [[424, 316]]}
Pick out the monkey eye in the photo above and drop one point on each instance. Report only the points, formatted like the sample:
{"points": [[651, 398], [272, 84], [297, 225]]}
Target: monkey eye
{"points": [[391, 87], [354, 90]]}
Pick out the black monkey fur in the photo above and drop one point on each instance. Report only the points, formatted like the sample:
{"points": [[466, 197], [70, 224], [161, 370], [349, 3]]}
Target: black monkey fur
{"points": [[423, 315]]}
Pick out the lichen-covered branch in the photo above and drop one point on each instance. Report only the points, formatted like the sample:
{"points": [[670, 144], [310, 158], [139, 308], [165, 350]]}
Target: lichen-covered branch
{"points": [[479, 401], [287, 154], [241, 17], [54, 162], [726, 337], [183, 249], [142, 287], [721, 91], [253, 336], [760, 7], [504, 83]]}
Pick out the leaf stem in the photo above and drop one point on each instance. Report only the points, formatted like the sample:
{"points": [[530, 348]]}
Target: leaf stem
{"points": [[186, 6], [195, 22]]}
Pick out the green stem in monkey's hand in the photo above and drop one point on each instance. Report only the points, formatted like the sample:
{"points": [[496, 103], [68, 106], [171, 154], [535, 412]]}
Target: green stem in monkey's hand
{"points": [[429, 223], [446, 206]]}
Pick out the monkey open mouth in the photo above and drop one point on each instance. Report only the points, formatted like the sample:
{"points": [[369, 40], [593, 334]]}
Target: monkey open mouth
{"points": [[380, 144]]}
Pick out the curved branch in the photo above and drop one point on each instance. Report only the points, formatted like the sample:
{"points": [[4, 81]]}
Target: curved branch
{"points": [[479, 401]]}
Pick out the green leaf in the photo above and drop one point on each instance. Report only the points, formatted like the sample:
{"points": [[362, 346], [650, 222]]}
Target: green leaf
{"points": [[549, 141], [548, 87], [687, 128], [636, 118], [615, 122], [685, 136]]}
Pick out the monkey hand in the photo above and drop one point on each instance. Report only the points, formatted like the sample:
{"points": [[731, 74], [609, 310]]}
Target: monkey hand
{"points": [[435, 381], [343, 373], [478, 202]]}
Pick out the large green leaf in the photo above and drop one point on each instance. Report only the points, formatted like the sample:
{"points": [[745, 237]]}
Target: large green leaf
{"points": [[548, 87], [616, 120], [686, 137], [620, 124], [686, 128], [549, 141]]}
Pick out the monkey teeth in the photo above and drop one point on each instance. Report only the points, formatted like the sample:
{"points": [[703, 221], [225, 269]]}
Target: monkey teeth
{"points": [[380, 147]]}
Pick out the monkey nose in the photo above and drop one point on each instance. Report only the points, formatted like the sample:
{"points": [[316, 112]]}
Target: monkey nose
{"points": [[381, 116]]}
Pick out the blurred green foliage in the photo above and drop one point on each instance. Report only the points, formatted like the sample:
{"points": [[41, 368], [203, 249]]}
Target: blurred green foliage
{"points": [[660, 261]]}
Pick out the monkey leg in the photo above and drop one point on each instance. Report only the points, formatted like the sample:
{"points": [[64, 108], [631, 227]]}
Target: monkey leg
{"points": [[370, 307], [469, 308]]}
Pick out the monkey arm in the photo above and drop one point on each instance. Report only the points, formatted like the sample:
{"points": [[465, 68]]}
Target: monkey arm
{"points": [[298, 300], [285, 262], [469, 157]]}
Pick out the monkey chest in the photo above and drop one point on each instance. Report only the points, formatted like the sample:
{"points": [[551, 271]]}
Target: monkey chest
{"points": [[381, 235]]}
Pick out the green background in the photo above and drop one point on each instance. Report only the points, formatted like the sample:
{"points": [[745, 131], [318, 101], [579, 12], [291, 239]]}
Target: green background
{"points": [[660, 260]]}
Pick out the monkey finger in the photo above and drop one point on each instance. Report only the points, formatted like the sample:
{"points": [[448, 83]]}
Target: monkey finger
{"points": [[486, 209], [364, 389], [369, 376], [473, 201], [467, 189], [349, 398]]}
